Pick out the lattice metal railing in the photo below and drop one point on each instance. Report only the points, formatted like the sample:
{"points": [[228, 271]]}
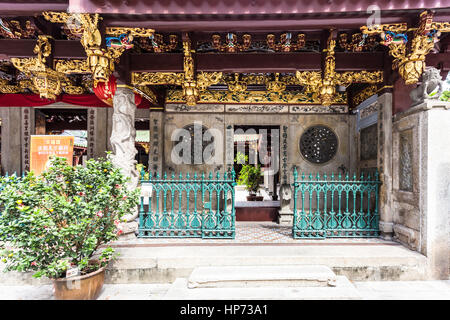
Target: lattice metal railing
{"points": [[335, 207], [196, 206]]}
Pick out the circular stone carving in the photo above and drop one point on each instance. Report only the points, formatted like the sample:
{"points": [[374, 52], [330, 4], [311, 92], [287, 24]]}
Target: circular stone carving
{"points": [[199, 142], [318, 144]]}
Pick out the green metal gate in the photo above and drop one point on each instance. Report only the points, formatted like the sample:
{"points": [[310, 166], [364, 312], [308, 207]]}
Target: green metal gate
{"points": [[336, 207], [188, 207]]}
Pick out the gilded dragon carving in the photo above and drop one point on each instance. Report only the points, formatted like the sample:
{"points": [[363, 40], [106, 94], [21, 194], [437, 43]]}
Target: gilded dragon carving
{"points": [[100, 61], [410, 62]]}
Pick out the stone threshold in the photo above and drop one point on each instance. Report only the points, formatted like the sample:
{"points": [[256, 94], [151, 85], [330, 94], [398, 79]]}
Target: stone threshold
{"points": [[131, 244]]}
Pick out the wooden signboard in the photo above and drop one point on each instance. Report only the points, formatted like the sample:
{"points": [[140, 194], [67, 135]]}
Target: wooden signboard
{"points": [[44, 146]]}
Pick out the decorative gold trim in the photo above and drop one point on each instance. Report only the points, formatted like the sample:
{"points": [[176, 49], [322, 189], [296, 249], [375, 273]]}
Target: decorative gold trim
{"points": [[376, 29], [254, 97], [364, 94], [146, 93], [136, 32], [71, 66], [156, 78], [384, 87]]}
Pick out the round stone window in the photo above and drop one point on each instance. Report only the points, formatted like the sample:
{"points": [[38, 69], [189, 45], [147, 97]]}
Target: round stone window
{"points": [[198, 138], [318, 144]]}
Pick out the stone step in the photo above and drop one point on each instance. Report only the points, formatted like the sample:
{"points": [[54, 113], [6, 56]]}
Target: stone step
{"points": [[343, 290], [164, 263], [261, 276]]}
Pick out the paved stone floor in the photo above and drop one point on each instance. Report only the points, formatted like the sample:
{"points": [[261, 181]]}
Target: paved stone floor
{"points": [[369, 290], [253, 232]]}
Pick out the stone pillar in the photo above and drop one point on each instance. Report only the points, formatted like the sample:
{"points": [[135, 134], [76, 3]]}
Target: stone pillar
{"points": [[27, 125], [286, 213], [122, 140], [11, 140], [421, 183], [384, 164], [155, 157], [437, 221], [101, 132]]}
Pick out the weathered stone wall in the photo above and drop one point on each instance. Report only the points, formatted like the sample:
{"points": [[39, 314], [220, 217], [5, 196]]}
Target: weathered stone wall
{"points": [[421, 182], [11, 140], [18, 126], [407, 152], [292, 120], [223, 117]]}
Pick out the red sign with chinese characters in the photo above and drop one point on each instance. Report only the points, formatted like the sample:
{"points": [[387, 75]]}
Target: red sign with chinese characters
{"points": [[42, 147]]}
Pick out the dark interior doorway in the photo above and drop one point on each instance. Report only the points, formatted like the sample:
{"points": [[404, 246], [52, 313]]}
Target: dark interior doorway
{"points": [[261, 144]]}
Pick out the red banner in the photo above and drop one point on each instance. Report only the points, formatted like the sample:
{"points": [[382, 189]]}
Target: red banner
{"points": [[33, 100]]}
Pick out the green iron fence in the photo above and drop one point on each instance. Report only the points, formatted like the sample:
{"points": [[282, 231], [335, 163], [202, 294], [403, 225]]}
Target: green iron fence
{"points": [[336, 207], [196, 206]]}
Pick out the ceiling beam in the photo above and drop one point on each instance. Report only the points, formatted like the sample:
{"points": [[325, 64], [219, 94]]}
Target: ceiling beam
{"points": [[255, 62], [62, 49], [225, 62]]}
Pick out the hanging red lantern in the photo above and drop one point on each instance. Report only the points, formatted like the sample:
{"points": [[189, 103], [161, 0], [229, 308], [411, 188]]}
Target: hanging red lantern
{"points": [[105, 91]]}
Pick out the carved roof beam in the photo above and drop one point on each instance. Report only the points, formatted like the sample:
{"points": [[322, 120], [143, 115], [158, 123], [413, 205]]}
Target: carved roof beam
{"points": [[410, 60], [44, 80], [191, 82], [325, 84], [100, 61]]}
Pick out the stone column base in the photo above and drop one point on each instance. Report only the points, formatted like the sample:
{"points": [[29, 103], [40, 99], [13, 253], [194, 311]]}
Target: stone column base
{"points": [[386, 230], [285, 218]]}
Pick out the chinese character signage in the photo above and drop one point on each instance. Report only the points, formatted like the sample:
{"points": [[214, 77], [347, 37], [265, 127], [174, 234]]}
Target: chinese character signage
{"points": [[43, 147]]}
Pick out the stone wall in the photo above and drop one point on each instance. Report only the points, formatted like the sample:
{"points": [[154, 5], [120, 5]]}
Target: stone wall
{"points": [[18, 126], [421, 183], [223, 117]]}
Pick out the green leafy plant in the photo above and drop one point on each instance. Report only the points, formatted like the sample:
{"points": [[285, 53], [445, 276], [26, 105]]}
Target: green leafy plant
{"points": [[445, 96], [249, 174], [59, 220]]}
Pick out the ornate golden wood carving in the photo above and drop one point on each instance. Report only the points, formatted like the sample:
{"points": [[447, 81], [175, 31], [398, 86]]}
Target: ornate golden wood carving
{"points": [[326, 85], [71, 66], [410, 62], [254, 97], [191, 84], [100, 61], [364, 94], [45, 81]]}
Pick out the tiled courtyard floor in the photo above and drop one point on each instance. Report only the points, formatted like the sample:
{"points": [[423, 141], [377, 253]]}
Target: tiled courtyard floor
{"points": [[256, 233]]}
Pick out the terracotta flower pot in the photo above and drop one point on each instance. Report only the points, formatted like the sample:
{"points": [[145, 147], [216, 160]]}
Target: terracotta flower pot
{"points": [[85, 287]]}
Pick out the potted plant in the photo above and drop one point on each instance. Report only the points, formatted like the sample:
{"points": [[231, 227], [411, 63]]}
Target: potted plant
{"points": [[249, 176], [54, 224]]}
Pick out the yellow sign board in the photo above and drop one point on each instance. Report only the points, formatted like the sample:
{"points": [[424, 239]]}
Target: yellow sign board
{"points": [[43, 147]]}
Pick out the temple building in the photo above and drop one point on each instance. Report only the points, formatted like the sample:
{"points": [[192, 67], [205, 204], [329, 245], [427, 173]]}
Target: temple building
{"points": [[337, 107]]}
